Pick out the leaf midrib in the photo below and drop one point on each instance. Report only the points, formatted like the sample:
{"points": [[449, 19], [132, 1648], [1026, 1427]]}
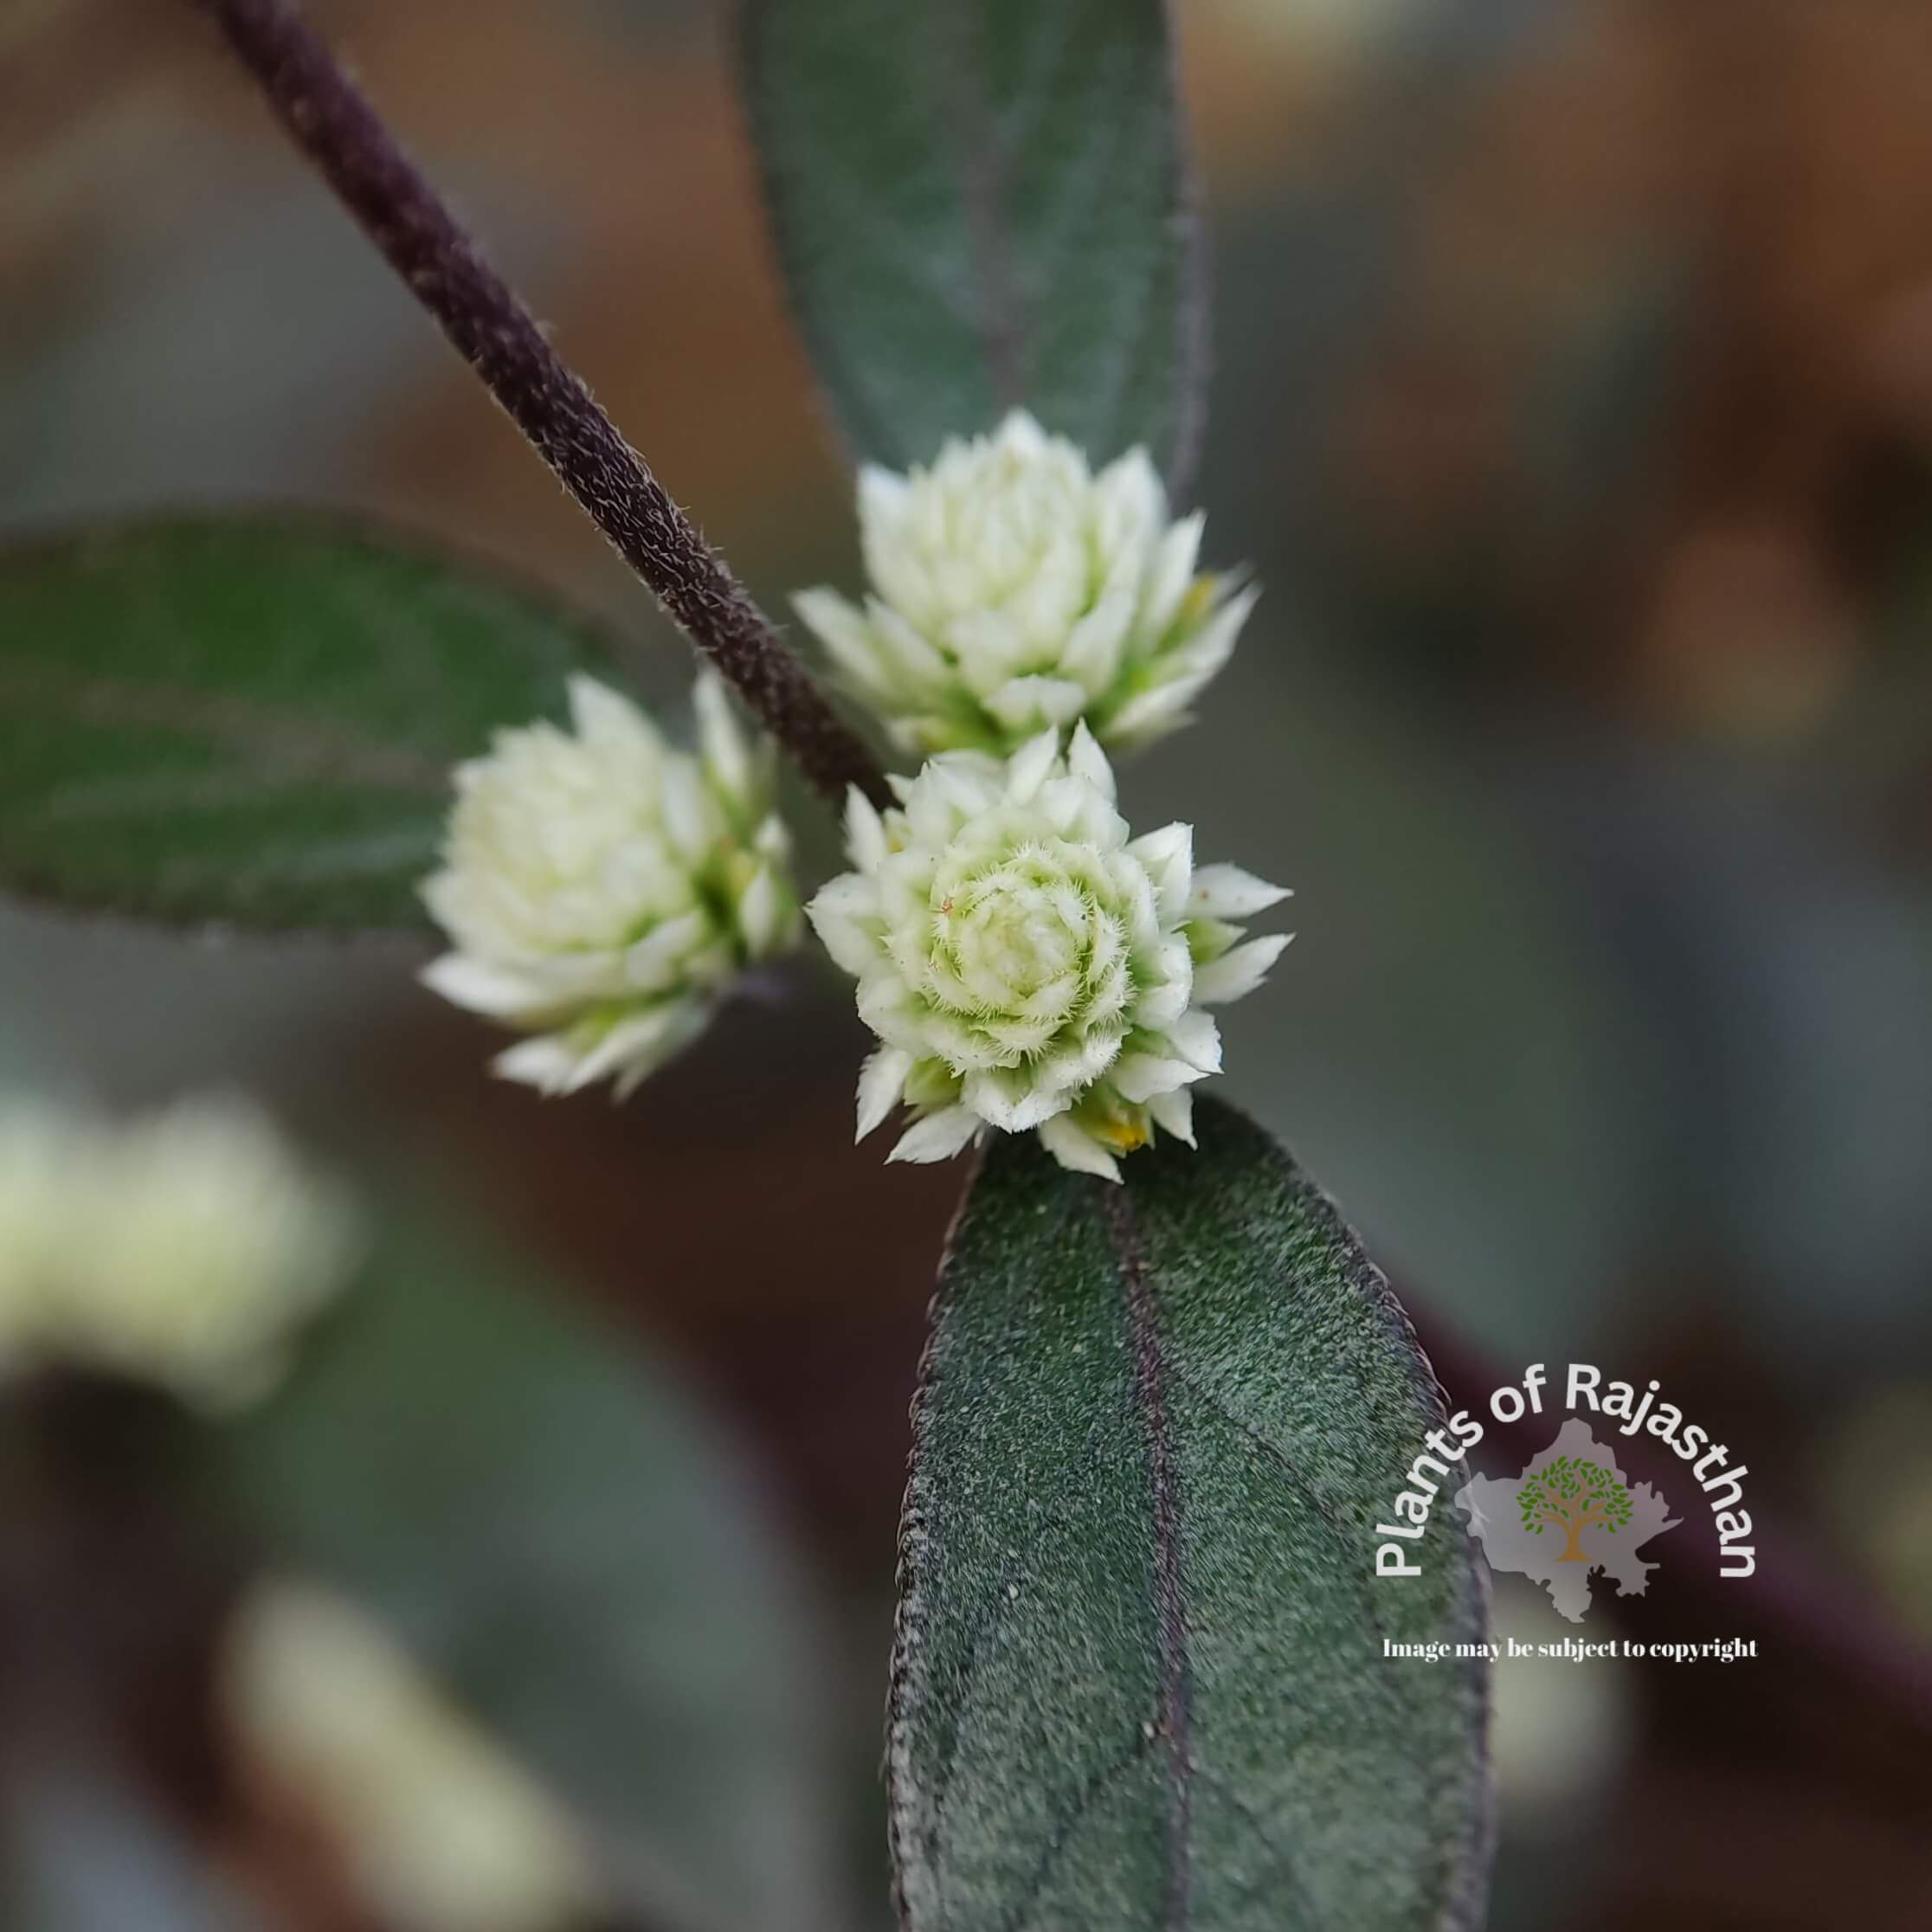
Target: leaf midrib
{"points": [[1175, 1712], [981, 168], [261, 736]]}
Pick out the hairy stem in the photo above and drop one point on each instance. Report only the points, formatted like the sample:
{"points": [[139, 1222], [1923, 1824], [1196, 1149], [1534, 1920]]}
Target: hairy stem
{"points": [[333, 122]]}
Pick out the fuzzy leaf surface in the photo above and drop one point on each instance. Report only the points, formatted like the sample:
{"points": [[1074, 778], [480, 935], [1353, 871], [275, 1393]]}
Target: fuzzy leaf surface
{"points": [[251, 720], [980, 206], [1140, 1681]]}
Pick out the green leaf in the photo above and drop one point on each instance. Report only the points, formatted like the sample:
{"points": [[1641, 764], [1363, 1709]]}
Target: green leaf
{"points": [[983, 205], [580, 1558], [252, 720], [1140, 1678]]}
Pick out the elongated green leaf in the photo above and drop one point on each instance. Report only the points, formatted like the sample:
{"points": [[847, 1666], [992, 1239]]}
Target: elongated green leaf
{"points": [[1140, 1681], [577, 1556], [980, 203], [251, 720]]}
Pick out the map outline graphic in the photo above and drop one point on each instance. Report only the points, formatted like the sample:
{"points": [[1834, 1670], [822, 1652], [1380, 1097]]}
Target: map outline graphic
{"points": [[1495, 1520]]}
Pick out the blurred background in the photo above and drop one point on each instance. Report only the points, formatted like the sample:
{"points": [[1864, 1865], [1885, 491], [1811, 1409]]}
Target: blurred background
{"points": [[1573, 400]]}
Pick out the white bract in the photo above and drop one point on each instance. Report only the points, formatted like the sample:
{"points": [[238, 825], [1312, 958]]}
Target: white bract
{"points": [[187, 1250], [603, 889], [1027, 964], [1013, 590]]}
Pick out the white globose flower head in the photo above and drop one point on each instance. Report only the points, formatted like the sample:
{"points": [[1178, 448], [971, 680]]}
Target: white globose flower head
{"points": [[1029, 965], [603, 889], [1013, 590], [187, 1250]]}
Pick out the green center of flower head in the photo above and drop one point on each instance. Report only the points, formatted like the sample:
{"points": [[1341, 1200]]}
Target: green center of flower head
{"points": [[1023, 952]]}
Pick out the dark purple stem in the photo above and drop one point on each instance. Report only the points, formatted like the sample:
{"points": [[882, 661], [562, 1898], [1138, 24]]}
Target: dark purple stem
{"points": [[333, 124]]}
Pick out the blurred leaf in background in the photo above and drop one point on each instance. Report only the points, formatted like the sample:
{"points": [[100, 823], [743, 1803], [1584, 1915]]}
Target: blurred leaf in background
{"points": [[565, 1544], [252, 719]]}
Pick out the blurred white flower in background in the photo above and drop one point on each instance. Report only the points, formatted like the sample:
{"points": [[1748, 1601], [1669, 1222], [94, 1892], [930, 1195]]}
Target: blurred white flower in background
{"points": [[186, 1250], [1561, 1731], [603, 889], [439, 1829], [1013, 590], [1027, 964]]}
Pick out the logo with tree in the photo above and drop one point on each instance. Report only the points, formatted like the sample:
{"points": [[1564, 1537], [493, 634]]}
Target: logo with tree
{"points": [[1571, 1494], [1575, 1487]]}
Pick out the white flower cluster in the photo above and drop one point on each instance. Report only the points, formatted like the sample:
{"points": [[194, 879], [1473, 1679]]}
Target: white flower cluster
{"points": [[186, 1250], [603, 889], [1028, 964], [1013, 590]]}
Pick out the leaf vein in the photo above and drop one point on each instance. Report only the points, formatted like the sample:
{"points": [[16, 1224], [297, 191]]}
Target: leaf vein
{"points": [[1029, 1900], [1291, 1474]]}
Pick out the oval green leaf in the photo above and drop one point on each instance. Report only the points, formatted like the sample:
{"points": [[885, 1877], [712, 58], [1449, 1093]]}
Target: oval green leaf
{"points": [[251, 719], [980, 206], [1140, 1678]]}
